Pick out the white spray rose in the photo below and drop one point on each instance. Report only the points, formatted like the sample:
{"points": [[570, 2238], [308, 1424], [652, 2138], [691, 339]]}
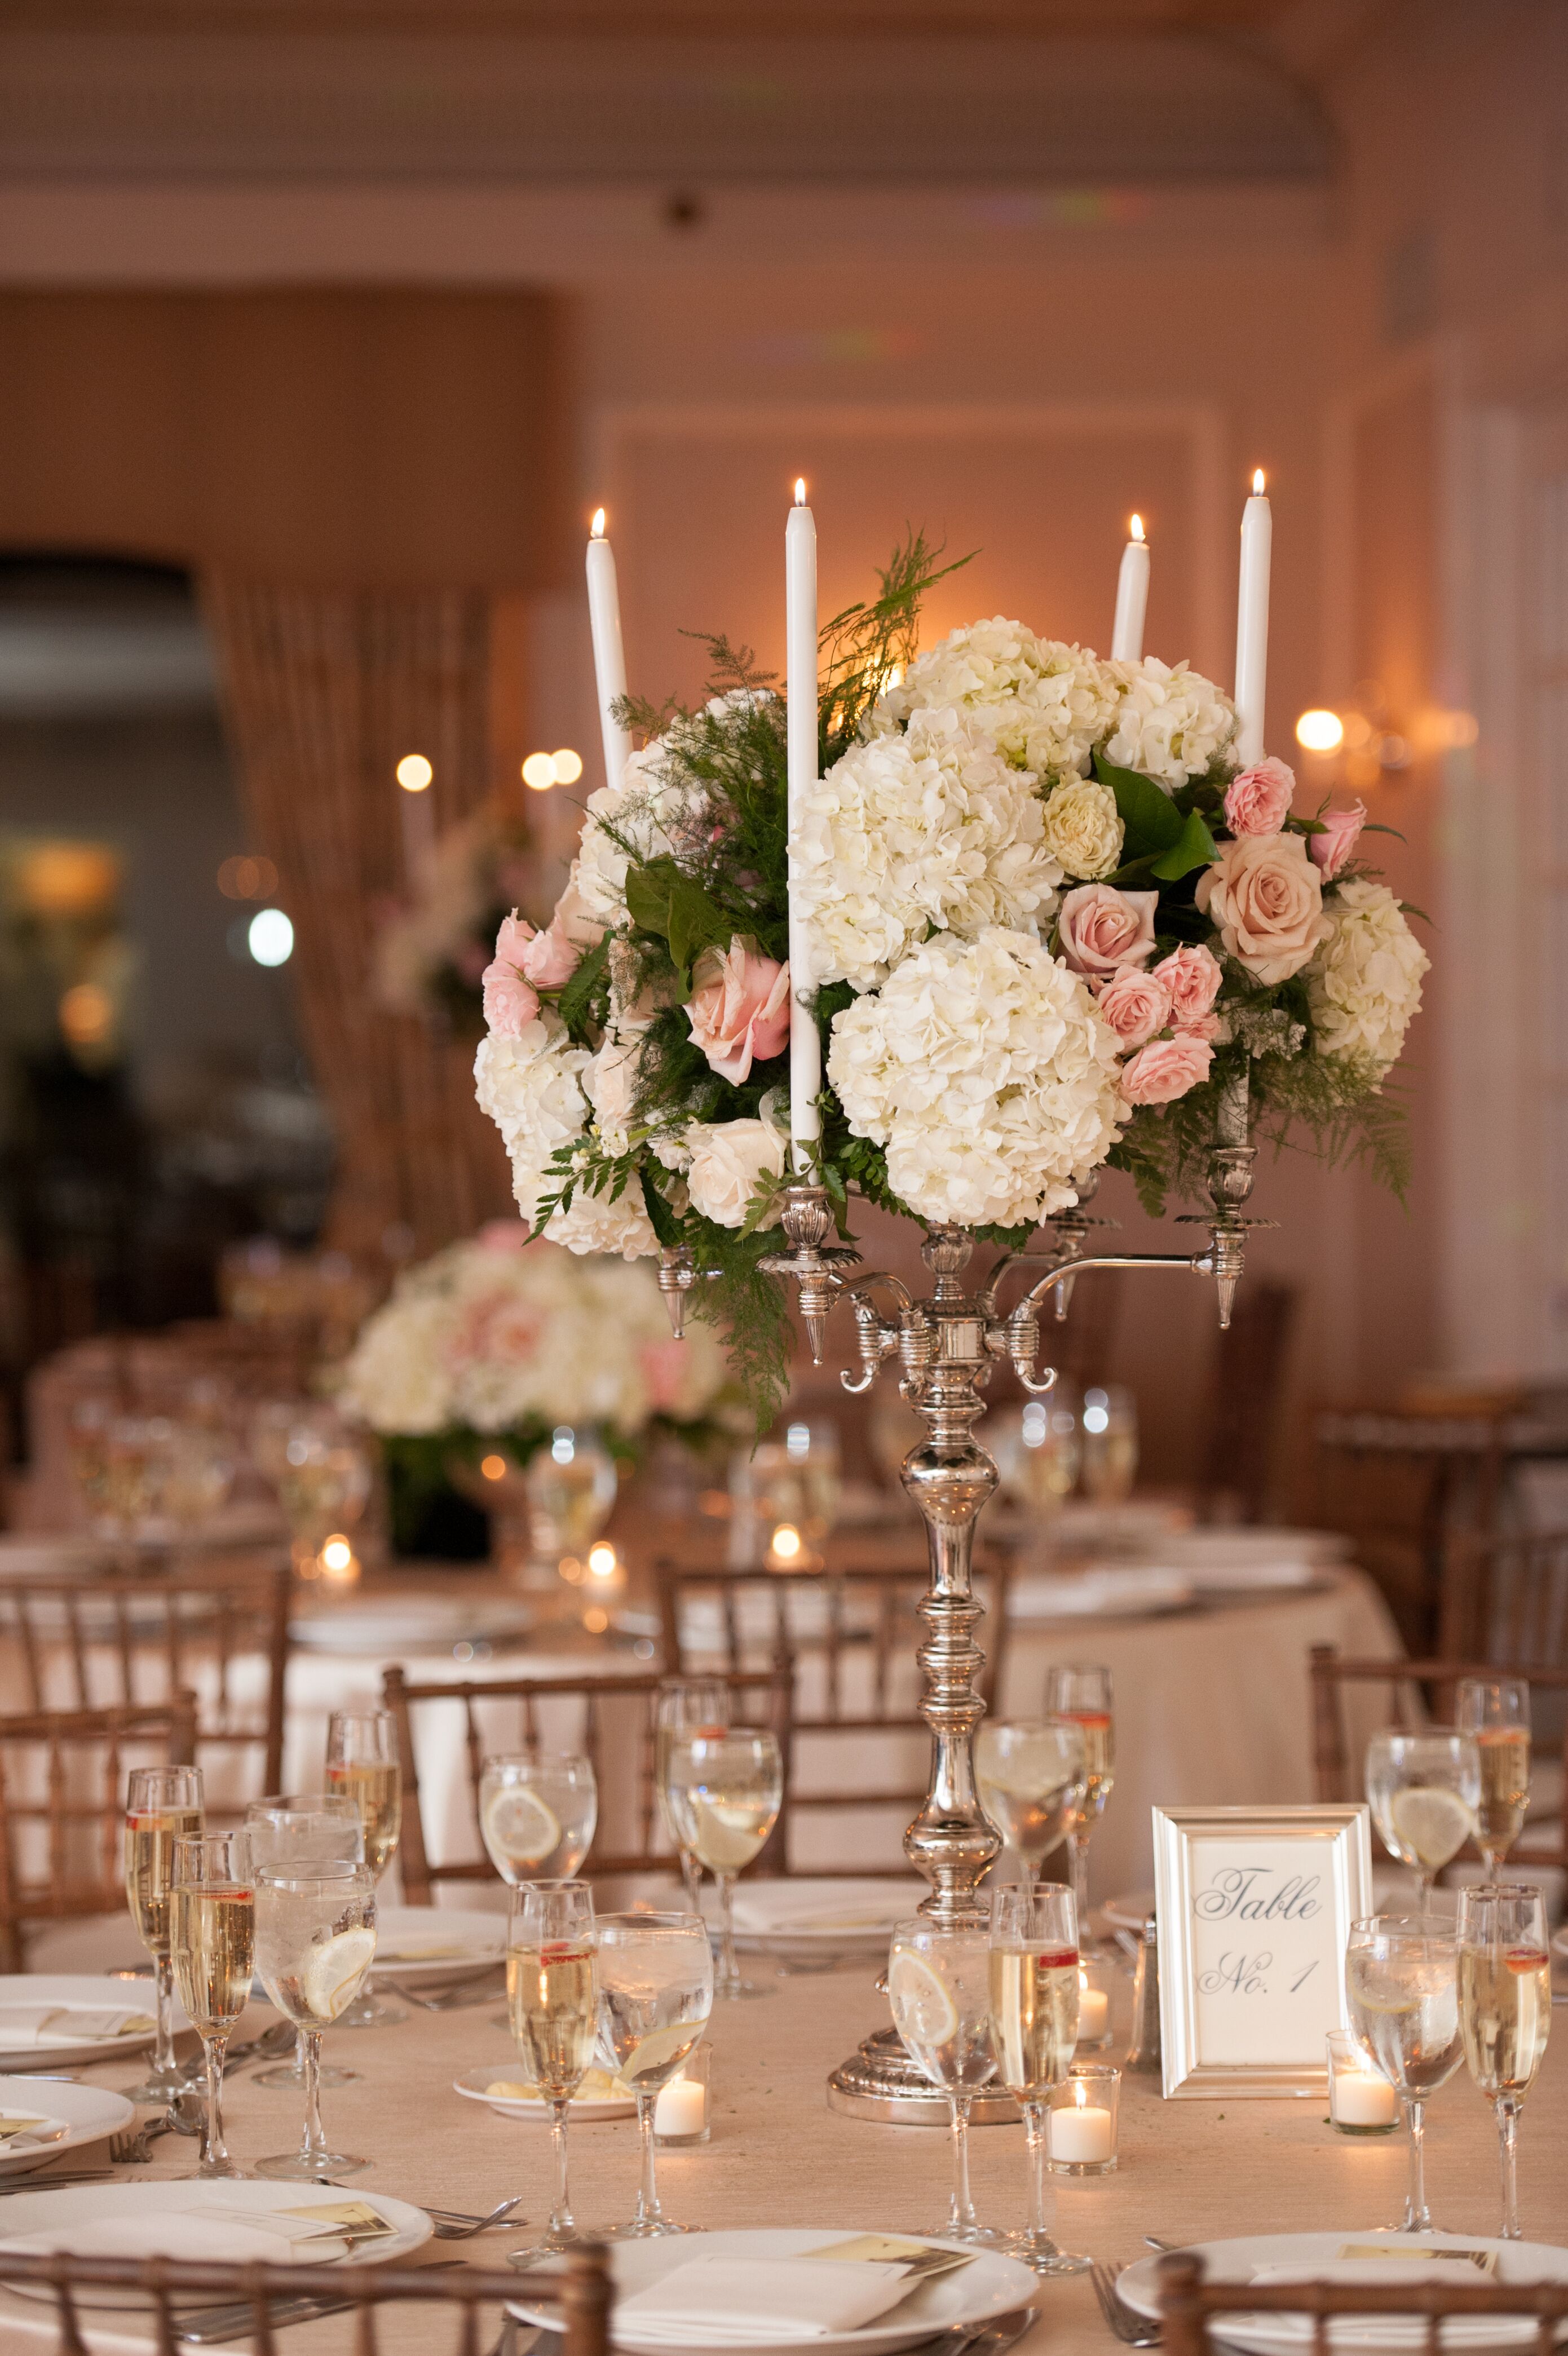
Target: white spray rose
{"points": [[1084, 830], [1042, 703], [1364, 984], [729, 1159], [1170, 723]]}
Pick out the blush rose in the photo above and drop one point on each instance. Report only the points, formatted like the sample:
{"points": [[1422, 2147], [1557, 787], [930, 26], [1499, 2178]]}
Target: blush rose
{"points": [[1193, 977], [510, 1004], [1166, 1069], [1257, 801], [739, 1009], [1102, 930], [1341, 831], [1263, 896], [1136, 1005]]}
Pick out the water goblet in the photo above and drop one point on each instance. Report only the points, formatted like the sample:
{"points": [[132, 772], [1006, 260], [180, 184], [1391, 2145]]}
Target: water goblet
{"points": [[1033, 2030], [1082, 1692], [725, 1790], [212, 1944], [537, 1815], [1496, 1710], [1110, 1444], [315, 1933], [362, 1765], [1504, 2010], [552, 2002], [656, 1992], [684, 1705], [1031, 1775], [163, 1804], [300, 1829], [1424, 1787], [1402, 1979], [938, 1985]]}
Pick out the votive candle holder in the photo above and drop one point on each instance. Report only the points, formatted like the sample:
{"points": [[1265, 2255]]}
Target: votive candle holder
{"points": [[1081, 2120]]}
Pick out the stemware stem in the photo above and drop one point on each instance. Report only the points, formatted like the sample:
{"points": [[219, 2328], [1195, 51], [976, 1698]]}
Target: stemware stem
{"points": [[1507, 2110], [728, 1982], [692, 1875], [563, 2228], [1078, 1850], [962, 2220], [213, 2159], [164, 2066], [314, 2147], [1417, 2215], [650, 2217]]}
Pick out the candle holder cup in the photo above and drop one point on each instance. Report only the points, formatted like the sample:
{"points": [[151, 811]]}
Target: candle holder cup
{"points": [[1362, 2101], [1082, 2121], [682, 2114]]}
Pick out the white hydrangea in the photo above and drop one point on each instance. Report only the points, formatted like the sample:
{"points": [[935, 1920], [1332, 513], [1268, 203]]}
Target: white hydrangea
{"points": [[905, 832], [532, 1088], [645, 809], [985, 1071], [1364, 984], [592, 1223], [1168, 723], [1084, 830], [1042, 703]]}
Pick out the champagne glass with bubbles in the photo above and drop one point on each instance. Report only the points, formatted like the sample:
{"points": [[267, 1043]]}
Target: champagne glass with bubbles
{"points": [[938, 1986], [1031, 1773], [315, 1935], [1034, 2029], [1082, 1692], [301, 1828], [1402, 1976], [725, 1790], [1424, 1787], [656, 1992], [1504, 2010], [213, 1945], [537, 1815], [163, 1804], [684, 1705], [552, 2000], [363, 1766], [1496, 1710]]}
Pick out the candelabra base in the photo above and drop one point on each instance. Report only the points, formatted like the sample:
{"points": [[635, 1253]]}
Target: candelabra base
{"points": [[880, 2082]]}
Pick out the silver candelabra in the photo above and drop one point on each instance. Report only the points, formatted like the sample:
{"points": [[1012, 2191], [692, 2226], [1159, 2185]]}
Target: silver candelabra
{"points": [[947, 1346]]}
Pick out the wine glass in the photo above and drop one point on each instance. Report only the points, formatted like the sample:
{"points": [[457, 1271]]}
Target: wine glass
{"points": [[684, 1705], [1082, 1692], [552, 2001], [1034, 2029], [315, 1935], [571, 1487], [1504, 2010], [938, 1985], [1402, 1979], [212, 1942], [1110, 1444], [1037, 1450], [1424, 1789], [163, 1804], [1031, 1775], [362, 1765], [724, 1791], [1496, 1710], [323, 1481], [302, 1829], [656, 1992], [537, 1814]]}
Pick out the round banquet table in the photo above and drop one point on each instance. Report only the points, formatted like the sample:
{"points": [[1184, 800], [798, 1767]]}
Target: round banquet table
{"points": [[780, 2157]]}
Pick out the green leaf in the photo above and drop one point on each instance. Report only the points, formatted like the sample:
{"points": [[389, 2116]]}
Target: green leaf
{"points": [[578, 993], [661, 1218], [1151, 822], [662, 900], [1194, 846]]}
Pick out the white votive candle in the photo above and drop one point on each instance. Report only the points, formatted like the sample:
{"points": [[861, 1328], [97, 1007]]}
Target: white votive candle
{"points": [[1079, 2133], [1362, 2100], [1093, 2015], [682, 2109]]}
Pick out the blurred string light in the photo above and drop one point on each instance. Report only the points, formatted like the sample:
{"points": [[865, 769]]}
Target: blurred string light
{"points": [[493, 1467], [1320, 731], [414, 773], [543, 770], [247, 879], [269, 937], [86, 1014]]}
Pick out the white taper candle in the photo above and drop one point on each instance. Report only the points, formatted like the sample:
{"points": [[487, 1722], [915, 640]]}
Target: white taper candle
{"points": [[800, 680], [1132, 596], [1252, 623], [610, 654]]}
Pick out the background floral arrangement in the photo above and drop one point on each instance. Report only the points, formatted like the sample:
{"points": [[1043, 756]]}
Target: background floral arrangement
{"points": [[1049, 918], [430, 956]]}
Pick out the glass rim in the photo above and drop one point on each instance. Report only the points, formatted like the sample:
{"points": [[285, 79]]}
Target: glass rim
{"points": [[658, 1925], [360, 1717], [1422, 1734], [534, 1759], [922, 1926], [551, 1888], [135, 1775], [301, 1803], [324, 1872], [1424, 1927]]}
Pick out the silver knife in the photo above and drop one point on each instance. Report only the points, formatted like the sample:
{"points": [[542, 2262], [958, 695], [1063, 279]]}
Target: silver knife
{"points": [[230, 2323]]}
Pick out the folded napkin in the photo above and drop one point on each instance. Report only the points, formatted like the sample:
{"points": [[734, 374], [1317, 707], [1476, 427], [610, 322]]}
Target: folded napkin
{"points": [[1427, 2266], [24, 2025], [713, 2302]]}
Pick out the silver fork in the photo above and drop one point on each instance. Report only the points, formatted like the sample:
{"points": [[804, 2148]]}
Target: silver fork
{"points": [[134, 2147], [1132, 2330], [449, 2001], [455, 2225]]}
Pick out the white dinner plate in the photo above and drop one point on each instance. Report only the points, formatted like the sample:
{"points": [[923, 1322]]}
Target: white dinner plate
{"points": [[989, 2285], [414, 1624], [86, 2114], [436, 1942], [1355, 2335], [1104, 1593], [74, 1993], [1202, 1552], [474, 2086], [150, 2220], [818, 1915], [1130, 1910]]}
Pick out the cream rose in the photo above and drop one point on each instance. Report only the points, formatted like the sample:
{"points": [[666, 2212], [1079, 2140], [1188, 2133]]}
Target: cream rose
{"points": [[1083, 830], [729, 1159], [1265, 897]]}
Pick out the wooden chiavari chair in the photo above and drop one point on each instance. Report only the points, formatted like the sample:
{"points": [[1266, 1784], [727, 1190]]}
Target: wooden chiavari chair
{"points": [[62, 1806], [1507, 1596], [1191, 2308], [612, 1727], [1402, 1488]]}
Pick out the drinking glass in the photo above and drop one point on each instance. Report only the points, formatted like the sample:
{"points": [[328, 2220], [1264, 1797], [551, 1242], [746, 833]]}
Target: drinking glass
{"points": [[1081, 1691], [656, 1992], [938, 1985], [537, 1814], [304, 1829], [725, 1790], [212, 1942], [1496, 1710], [1031, 1775], [1037, 1450], [1110, 1444], [1424, 1789], [1034, 2029], [552, 2000], [570, 1487], [323, 1483], [1401, 1978], [163, 1804], [315, 1933], [684, 1705], [1504, 2010], [362, 1765]]}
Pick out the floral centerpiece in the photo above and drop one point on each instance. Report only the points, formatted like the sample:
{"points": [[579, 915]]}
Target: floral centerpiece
{"points": [[430, 955], [1050, 922]]}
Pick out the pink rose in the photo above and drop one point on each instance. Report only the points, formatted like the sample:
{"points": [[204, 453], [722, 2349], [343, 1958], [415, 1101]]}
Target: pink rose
{"points": [[1135, 1005], [1100, 929], [739, 1008], [510, 1004], [512, 942], [1166, 1069], [1333, 847], [1263, 896], [1193, 977], [1256, 799], [502, 1235]]}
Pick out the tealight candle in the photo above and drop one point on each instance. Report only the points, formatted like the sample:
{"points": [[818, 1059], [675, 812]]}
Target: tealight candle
{"points": [[1360, 2099], [681, 2113], [1080, 2122], [1080, 2134], [1093, 2012]]}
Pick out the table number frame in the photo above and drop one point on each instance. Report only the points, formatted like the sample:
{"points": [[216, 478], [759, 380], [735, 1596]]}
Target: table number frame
{"points": [[1253, 1904]]}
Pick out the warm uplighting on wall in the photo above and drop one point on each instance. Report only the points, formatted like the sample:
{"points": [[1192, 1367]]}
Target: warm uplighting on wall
{"points": [[1320, 731], [414, 773], [542, 770], [86, 1014], [246, 878], [70, 880], [269, 937]]}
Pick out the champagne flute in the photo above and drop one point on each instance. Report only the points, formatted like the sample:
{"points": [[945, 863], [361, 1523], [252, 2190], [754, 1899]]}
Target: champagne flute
{"points": [[1031, 1773], [163, 1804], [725, 1790], [1496, 1710], [212, 1941], [301, 1828], [1109, 1444], [938, 1985], [315, 1933], [1504, 2010], [1424, 1789], [552, 2000], [1034, 2029], [684, 1705], [1402, 1979], [1082, 1692], [537, 1815], [362, 1765], [656, 1992]]}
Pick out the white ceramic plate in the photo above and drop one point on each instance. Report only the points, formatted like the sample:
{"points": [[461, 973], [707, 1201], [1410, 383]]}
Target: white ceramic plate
{"points": [[79, 1995], [1202, 1552], [125, 2219], [474, 2084], [436, 1942], [87, 2115], [813, 1916], [1101, 1594], [1356, 2335], [990, 2286], [412, 1624], [1130, 1912]]}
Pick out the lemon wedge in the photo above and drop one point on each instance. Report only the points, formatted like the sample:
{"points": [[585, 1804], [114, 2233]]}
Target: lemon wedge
{"points": [[727, 1835], [661, 2049], [520, 1826], [923, 2011], [334, 1970], [1433, 1822]]}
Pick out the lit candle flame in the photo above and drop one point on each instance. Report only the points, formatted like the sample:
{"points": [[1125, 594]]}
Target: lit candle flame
{"points": [[596, 528], [799, 490], [1080, 2093], [1136, 527], [1257, 482]]}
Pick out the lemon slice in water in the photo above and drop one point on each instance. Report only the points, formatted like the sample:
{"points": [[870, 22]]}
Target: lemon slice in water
{"points": [[520, 1826], [1433, 1822], [923, 2011], [334, 1970]]}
